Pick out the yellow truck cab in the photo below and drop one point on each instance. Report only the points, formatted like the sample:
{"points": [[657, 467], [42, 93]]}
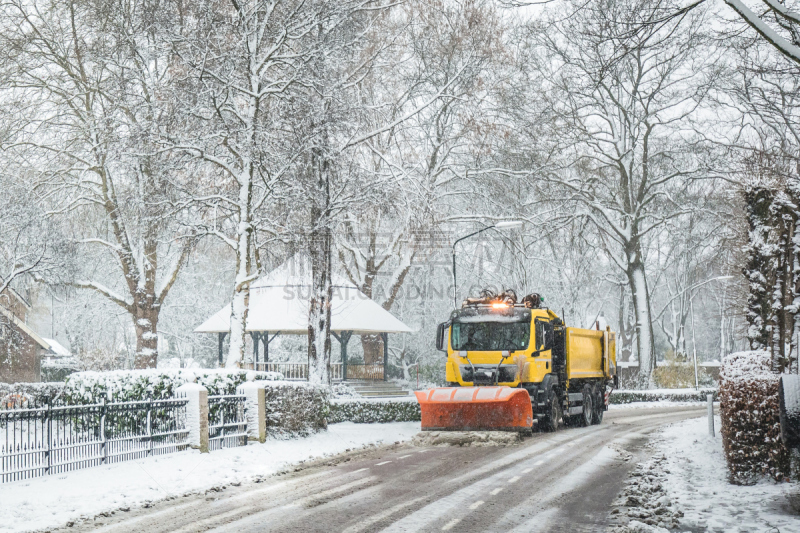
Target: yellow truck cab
{"points": [[495, 341]]}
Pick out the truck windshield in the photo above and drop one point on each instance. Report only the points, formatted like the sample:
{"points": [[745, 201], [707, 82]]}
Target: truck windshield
{"points": [[490, 336]]}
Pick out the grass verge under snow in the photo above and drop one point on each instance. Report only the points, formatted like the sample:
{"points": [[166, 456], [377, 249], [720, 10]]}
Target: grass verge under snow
{"points": [[698, 484], [52, 501], [687, 478]]}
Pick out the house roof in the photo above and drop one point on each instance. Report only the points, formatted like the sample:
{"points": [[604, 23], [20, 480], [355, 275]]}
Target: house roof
{"points": [[17, 295], [279, 301], [57, 348], [24, 327]]}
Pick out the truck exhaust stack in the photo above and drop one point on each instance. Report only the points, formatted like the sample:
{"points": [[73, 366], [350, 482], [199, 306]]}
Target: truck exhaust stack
{"points": [[475, 409]]}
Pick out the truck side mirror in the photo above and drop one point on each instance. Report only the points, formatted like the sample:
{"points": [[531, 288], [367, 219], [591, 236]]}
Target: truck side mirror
{"points": [[441, 331]]}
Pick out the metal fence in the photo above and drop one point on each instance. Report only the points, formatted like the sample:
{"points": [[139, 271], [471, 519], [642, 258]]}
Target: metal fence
{"points": [[227, 425], [51, 440]]}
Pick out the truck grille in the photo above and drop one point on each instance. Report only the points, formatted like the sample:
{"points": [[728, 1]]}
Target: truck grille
{"points": [[485, 374]]}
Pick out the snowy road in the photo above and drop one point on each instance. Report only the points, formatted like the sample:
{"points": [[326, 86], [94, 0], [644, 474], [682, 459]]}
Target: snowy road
{"points": [[552, 482]]}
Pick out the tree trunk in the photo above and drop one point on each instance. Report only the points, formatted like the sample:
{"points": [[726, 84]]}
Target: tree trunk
{"points": [[644, 324], [145, 320], [241, 289], [239, 309], [625, 342], [319, 315]]}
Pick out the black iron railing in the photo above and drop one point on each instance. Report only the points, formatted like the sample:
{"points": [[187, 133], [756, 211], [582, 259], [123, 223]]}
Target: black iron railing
{"points": [[227, 425], [52, 440]]}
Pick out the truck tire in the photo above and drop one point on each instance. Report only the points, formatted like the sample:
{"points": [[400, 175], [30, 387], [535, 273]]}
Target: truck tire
{"points": [[588, 406], [599, 406], [550, 420]]}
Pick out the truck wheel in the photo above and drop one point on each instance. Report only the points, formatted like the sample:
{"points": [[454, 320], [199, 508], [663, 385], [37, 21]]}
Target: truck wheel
{"points": [[550, 420], [599, 408], [588, 406]]}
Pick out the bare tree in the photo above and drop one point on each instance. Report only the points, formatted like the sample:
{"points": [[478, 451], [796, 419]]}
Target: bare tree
{"points": [[90, 76], [778, 22], [421, 165], [619, 99], [242, 60], [29, 242]]}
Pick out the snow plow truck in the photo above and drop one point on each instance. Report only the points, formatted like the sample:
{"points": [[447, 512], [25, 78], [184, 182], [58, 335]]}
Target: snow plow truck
{"points": [[515, 366]]}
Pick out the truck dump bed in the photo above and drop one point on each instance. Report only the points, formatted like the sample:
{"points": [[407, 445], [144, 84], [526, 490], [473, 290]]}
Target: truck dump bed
{"points": [[590, 353]]}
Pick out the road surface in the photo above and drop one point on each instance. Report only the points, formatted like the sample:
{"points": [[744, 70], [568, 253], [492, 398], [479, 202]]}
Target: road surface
{"points": [[553, 482]]}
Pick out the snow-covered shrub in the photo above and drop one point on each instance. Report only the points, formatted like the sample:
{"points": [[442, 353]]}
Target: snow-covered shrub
{"points": [[29, 394], [343, 390], [751, 432], [133, 385], [296, 408], [663, 395], [371, 411]]}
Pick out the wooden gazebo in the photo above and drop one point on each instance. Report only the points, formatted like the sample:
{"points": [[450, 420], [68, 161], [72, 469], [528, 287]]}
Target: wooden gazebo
{"points": [[279, 304]]}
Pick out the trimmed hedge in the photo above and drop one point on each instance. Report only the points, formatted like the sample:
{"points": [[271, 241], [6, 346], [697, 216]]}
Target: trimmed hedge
{"points": [[660, 395], [132, 385], [371, 411], [365, 411], [29, 394], [751, 430], [296, 408]]}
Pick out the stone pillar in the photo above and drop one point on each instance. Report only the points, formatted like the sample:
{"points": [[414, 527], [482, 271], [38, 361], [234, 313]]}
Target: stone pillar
{"points": [[196, 414], [255, 408]]}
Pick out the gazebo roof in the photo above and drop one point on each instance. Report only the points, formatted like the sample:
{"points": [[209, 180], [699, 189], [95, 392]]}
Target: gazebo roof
{"points": [[279, 302]]}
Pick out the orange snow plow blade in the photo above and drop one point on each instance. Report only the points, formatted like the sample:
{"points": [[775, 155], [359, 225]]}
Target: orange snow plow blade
{"points": [[475, 408]]}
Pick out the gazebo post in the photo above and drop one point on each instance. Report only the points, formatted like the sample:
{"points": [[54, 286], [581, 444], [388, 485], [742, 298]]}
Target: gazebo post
{"points": [[266, 346], [344, 338], [385, 337], [221, 341], [343, 344], [256, 336]]}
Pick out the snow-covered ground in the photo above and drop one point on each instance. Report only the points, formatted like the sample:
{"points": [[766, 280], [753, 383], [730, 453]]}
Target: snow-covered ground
{"points": [[698, 484], [684, 487], [656, 405], [54, 500]]}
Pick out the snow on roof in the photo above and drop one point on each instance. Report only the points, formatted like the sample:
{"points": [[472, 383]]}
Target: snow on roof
{"points": [[296, 272], [280, 302], [57, 348]]}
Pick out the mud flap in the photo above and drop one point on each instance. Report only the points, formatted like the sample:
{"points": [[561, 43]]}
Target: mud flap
{"points": [[475, 409]]}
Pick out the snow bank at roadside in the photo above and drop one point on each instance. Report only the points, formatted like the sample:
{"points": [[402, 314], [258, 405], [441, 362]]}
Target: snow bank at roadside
{"points": [[653, 405], [698, 484], [684, 487], [54, 500]]}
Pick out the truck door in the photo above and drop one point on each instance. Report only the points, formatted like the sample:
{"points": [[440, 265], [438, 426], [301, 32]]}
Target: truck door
{"points": [[544, 335], [559, 348]]}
